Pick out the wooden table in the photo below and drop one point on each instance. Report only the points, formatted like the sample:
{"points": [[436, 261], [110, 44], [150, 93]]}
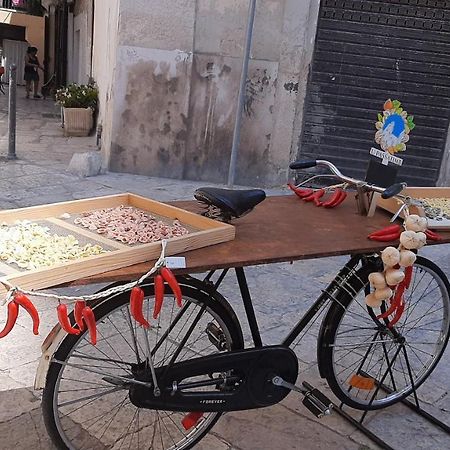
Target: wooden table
{"points": [[281, 228]]}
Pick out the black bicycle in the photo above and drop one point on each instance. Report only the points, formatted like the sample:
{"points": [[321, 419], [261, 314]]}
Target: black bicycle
{"points": [[166, 386]]}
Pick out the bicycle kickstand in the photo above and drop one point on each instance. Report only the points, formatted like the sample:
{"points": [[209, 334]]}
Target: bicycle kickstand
{"points": [[316, 402]]}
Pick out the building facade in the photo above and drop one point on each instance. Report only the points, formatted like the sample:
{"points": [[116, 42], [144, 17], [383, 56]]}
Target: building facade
{"points": [[168, 72]]}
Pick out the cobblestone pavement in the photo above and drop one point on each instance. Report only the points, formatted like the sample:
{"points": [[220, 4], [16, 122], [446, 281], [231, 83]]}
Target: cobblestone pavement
{"points": [[39, 176]]}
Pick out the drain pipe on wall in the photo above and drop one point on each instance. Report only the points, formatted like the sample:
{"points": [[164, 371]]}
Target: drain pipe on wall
{"points": [[12, 113], [241, 99]]}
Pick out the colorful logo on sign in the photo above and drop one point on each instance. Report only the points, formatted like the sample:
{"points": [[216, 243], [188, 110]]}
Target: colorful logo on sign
{"points": [[394, 126]]}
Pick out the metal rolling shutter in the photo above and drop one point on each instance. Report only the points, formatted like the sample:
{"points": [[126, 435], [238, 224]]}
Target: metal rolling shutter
{"points": [[366, 52]]}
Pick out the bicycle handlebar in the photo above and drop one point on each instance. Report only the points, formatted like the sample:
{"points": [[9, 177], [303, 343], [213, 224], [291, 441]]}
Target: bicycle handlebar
{"points": [[391, 191]]}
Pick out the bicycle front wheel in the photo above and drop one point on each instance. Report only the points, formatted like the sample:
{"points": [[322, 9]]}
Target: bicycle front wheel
{"points": [[369, 365], [86, 403]]}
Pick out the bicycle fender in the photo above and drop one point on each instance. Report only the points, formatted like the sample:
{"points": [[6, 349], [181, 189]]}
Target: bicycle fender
{"points": [[49, 347]]}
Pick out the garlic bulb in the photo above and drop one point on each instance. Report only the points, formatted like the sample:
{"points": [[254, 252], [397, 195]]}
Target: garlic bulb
{"points": [[390, 256], [422, 239], [377, 280], [383, 294], [410, 240], [394, 276], [407, 258], [416, 223], [372, 301]]}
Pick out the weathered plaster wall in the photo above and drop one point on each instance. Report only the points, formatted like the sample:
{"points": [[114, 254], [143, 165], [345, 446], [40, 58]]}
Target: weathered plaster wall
{"points": [[307, 33], [104, 58], [175, 117], [151, 108], [159, 24]]}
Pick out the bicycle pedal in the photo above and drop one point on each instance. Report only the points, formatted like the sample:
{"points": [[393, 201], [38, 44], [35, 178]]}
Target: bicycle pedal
{"points": [[317, 402]]}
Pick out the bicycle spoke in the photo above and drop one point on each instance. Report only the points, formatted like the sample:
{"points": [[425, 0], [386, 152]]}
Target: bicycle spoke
{"points": [[90, 397]]}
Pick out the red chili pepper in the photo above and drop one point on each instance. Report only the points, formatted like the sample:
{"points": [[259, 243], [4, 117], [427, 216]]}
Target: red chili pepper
{"points": [[398, 315], [191, 419], [334, 197], [159, 295], [13, 312], [386, 237], [395, 301], [136, 306], [391, 229], [408, 276], [173, 284], [23, 301], [310, 197], [317, 196], [433, 236], [64, 321], [341, 198], [89, 318], [78, 313], [300, 192]]}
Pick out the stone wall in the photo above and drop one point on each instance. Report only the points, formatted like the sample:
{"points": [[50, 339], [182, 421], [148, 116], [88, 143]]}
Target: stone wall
{"points": [[177, 80]]}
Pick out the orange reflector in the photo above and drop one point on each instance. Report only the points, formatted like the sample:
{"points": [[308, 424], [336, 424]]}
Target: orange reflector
{"points": [[191, 419], [360, 382]]}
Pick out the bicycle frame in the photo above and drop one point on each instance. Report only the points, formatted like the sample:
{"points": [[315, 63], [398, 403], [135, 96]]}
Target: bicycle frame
{"points": [[325, 297]]}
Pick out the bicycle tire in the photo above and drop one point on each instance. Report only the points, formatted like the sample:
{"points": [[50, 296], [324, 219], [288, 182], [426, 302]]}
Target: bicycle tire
{"points": [[76, 425], [351, 343]]}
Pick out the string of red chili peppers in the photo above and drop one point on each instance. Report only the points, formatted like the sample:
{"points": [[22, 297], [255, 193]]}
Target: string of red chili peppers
{"points": [[83, 314], [338, 195]]}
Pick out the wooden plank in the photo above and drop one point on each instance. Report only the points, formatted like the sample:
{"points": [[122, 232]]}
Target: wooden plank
{"points": [[280, 229], [56, 209], [42, 278], [86, 233], [7, 269], [172, 212]]}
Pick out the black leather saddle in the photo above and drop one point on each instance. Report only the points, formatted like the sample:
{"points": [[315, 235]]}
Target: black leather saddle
{"points": [[226, 204]]}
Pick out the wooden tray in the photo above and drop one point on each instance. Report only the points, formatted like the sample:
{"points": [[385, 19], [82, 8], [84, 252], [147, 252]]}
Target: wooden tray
{"points": [[392, 205], [203, 232]]}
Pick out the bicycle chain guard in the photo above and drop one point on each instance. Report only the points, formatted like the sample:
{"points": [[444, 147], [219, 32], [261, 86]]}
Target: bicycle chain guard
{"points": [[246, 381]]}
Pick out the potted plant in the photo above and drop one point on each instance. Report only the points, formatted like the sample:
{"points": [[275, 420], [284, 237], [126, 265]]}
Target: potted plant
{"points": [[78, 102]]}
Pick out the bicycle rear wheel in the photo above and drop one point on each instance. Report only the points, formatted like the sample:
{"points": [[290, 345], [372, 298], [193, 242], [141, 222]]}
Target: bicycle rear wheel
{"points": [[84, 404], [369, 366]]}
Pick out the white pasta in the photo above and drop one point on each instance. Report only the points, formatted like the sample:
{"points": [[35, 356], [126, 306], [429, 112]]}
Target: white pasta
{"points": [[32, 246]]}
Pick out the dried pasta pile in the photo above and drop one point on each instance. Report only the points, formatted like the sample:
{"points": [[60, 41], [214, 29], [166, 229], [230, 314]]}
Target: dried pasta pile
{"points": [[436, 208], [32, 246], [129, 225]]}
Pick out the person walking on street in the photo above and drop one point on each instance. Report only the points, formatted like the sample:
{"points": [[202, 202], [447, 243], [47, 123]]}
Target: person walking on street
{"points": [[31, 74]]}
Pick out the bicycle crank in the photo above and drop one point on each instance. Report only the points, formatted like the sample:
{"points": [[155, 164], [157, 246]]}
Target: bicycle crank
{"points": [[316, 402]]}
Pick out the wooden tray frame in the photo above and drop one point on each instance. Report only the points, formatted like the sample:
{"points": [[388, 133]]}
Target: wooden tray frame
{"points": [[392, 205], [210, 232]]}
